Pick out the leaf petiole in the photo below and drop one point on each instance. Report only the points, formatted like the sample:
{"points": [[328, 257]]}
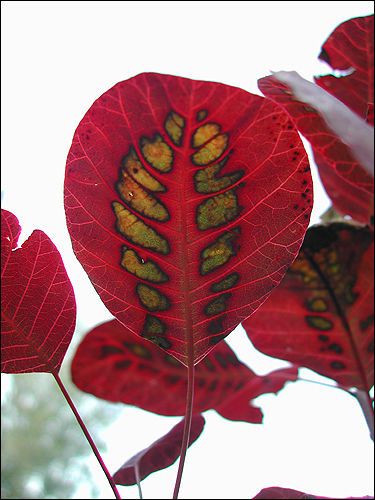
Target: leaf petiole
{"points": [[87, 434], [187, 427], [137, 477]]}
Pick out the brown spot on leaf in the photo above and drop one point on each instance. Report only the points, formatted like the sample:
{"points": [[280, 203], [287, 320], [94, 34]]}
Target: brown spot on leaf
{"points": [[122, 364], [338, 365], [323, 338], [109, 350], [335, 348]]}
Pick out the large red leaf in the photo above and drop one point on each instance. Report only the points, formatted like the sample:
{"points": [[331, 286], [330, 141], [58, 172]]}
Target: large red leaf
{"points": [[351, 47], [114, 364], [159, 455], [348, 184], [322, 314], [38, 309], [186, 202], [275, 492]]}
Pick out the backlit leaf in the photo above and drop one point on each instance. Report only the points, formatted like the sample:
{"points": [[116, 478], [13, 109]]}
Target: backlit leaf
{"points": [[347, 182], [236, 406], [322, 314], [38, 309], [159, 455], [186, 202], [114, 364], [351, 48], [275, 492]]}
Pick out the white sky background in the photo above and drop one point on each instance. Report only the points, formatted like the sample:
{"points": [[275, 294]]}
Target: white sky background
{"points": [[57, 58]]}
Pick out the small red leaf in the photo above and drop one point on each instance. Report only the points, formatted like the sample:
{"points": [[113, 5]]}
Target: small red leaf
{"points": [[160, 454], [186, 202], [322, 314], [338, 164], [275, 492], [351, 47], [38, 309], [114, 364]]}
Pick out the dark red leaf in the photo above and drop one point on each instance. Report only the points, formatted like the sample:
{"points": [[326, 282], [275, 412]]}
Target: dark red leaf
{"points": [[237, 407], [114, 364], [351, 47], [160, 454], [186, 202], [275, 492], [337, 165], [38, 309], [322, 314]]}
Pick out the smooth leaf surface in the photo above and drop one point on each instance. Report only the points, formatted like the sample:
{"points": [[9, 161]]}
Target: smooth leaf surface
{"points": [[275, 492], [322, 315], [186, 202], [346, 125], [350, 48], [38, 310], [114, 364], [159, 455], [346, 181], [236, 405], [347, 198]]}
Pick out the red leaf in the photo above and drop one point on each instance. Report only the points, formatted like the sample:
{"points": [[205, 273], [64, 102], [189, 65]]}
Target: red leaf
{"points": [[160, 454], [275, 492], [116, 365], [236, 407], [186, 202], [338, 168], [37, 302], [346, 197], [351, 47], [322, 314]]}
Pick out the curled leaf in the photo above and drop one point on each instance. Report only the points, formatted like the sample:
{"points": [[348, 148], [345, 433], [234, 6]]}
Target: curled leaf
{"points": [[342, 153], [350, 49], [159, 455], [346, 125]]}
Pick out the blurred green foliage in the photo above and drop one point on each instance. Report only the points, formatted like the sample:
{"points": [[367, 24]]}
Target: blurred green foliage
{"points": [[44, 453]]}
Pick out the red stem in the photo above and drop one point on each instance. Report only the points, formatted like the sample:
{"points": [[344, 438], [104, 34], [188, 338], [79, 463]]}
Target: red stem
{"points": [[187, 426], [87, 435]]}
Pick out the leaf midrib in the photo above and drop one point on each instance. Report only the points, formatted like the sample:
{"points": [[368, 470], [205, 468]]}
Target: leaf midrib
{"points": [[341, 314]]}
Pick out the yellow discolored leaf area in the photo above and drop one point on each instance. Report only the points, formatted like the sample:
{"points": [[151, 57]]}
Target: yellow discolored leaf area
{"points": [[226, 283], [174, 125], [140, 200], [211, 151], [218, 305], [204, 133], [217, 210], [136, 231], [146, 270], [133, 166], [157, 152], [219, 253], [206, 180], [151, 298]]}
